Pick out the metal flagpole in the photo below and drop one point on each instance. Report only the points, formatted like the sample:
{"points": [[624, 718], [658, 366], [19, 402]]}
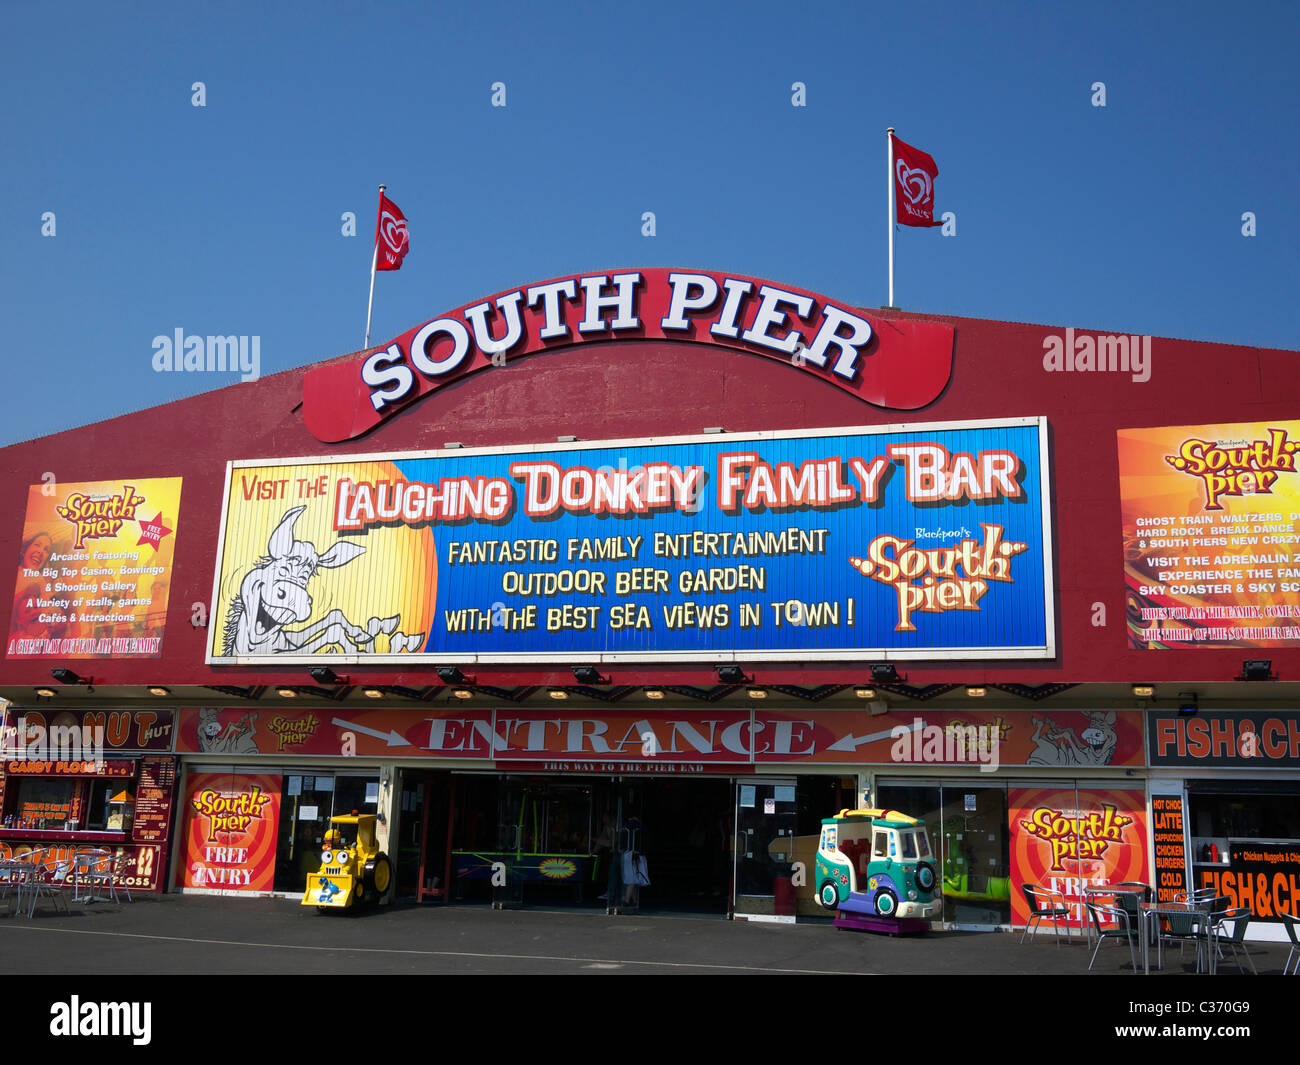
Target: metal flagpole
{"points": [[889, 136], [374, 261]]}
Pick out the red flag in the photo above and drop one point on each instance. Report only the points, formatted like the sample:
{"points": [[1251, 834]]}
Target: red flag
{"points": [[392, 241], [914, 174]]}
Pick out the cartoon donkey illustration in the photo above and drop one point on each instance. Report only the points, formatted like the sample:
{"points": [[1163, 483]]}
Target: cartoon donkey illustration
{"points": [[1062, 747], [273, 595]]}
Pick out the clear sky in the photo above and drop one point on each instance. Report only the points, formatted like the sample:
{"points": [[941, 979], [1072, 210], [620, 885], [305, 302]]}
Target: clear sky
{"points": [[227, 218]]}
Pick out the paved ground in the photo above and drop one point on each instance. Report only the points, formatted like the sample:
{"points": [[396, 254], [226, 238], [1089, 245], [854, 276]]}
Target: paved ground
{"points": [[185, 934], [263, 975]]}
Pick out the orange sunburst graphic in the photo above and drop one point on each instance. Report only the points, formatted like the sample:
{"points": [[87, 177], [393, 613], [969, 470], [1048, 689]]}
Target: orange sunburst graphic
{"points": [[231, 822]]}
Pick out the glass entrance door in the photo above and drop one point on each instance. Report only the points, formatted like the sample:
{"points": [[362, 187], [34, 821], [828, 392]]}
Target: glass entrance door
{"points": [[765, 826], [967, 822], [976, 856]]}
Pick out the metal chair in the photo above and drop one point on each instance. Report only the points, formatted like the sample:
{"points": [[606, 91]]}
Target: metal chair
{"points": [[90, 869], [37, 886], [1240, 919], [1045, 905], [1291, 924], [1198, 928], [121, 871], [1124, 929]]}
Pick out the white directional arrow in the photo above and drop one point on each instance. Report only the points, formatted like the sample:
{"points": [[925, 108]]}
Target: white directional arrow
{"points": [[852, 742], [392, 736]]}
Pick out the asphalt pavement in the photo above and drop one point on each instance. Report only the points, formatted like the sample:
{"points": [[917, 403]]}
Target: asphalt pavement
{"points": [[192, 935]]}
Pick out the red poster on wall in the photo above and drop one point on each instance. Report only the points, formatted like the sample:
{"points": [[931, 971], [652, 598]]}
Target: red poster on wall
{"points": [[1066, 840], [230, 829]]}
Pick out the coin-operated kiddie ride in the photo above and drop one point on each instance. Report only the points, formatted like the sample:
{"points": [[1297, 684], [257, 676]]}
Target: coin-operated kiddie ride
{"points": [[875, 869], [353, 871]]}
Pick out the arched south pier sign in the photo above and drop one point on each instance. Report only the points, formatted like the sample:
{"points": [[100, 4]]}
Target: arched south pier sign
{"points": [[900, 365]]}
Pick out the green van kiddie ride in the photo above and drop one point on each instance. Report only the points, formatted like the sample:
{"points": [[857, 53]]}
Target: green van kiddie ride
{"points": [[877, 863]]}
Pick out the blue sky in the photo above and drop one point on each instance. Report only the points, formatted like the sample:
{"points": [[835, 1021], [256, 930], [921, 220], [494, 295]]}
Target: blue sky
{"points": [[226, 219]]}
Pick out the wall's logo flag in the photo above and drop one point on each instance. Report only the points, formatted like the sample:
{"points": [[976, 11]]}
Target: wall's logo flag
{"points": [[914, 174], [392, 241]]}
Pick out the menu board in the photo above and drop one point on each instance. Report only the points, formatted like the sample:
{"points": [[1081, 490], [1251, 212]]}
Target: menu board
{"points": [[154, 792], [1171, 852]]}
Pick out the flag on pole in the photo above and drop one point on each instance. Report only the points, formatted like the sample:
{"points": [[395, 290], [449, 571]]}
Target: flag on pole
{"points": [[392, 241], [914, 173]]}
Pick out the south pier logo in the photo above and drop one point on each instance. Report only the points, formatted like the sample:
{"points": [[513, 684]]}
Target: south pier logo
{"points": [[95, 516], [934, 580], [1075, 836], [292, 731], [230, 814], [1236, 468]]}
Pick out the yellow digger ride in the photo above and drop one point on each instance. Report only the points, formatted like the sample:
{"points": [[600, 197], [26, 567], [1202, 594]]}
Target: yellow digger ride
{"points": [[353, 870]]}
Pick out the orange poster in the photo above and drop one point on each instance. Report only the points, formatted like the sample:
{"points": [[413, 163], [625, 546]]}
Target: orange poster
{"points": [[1066, 840], [231, 820], [1212, 535], [95, 569]]}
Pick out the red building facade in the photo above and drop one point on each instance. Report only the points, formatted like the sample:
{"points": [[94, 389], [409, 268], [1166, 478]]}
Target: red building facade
{"points": [[1141, 588]]}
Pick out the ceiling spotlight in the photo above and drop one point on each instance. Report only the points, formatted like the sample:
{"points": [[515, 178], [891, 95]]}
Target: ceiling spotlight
{"points": [[558, 693], [654, 693], [1143, 691], [588, 675], [758, 693], [373, 693], [286, 693], [1257, 669], [158, 689], [46, 693], [731, 675], [885, 673], [865, 693], [67, 676], [462, 693], [325, 675], [452, 675], [976, 692], [1187, 703]]}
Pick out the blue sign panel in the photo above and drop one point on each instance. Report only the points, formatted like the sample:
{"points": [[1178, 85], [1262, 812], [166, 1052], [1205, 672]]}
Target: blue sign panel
{"points": [[897, 542]]}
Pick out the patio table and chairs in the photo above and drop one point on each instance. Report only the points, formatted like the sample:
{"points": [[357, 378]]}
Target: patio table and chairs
{"points": [[92, 876], [35, 876]]}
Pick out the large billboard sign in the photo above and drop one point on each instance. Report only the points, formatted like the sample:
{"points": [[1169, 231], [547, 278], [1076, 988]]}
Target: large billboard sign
{"points": [[898, 542], [901, 365], [95, 569], [1212, 535]]}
